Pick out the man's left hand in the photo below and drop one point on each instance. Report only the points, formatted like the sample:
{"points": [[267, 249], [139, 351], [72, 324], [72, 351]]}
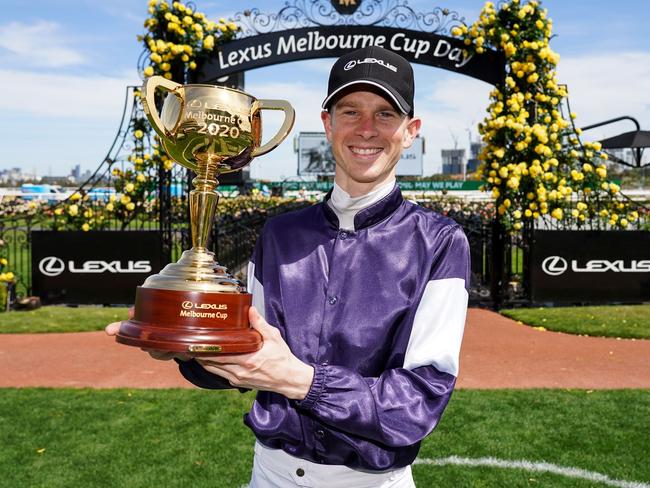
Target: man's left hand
{"points": [[273, 368]]}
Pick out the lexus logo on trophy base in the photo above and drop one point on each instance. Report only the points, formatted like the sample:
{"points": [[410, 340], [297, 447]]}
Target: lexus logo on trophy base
{"points": [[194, 305], [346, 7]]}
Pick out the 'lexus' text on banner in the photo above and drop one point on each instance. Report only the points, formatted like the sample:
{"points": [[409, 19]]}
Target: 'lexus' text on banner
{"points": [[590, 266], [100, 267]]}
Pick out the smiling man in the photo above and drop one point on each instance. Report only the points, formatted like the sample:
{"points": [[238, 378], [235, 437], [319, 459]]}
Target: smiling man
{"points": [[361, 302]]}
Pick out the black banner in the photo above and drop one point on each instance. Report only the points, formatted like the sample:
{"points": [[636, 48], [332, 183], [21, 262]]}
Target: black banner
{"points": [[324, 42], [590, 266], [98, 267]]}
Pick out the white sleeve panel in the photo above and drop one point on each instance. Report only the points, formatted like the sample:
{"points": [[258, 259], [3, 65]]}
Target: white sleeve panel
{"points": [[256, 289], [438, 326]]}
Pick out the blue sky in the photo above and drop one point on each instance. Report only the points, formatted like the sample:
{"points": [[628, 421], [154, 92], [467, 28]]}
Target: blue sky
{"points": [[64, 66]]}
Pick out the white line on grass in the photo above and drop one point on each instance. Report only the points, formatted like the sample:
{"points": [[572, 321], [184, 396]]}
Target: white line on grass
{"points": [[541, 467]]}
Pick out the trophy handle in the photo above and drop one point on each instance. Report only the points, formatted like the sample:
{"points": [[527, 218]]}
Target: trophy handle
{"points": [[149, 102], [287, 124]]}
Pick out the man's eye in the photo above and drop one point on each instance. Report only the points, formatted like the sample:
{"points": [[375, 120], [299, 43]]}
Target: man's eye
{"points": [[387, 115]]}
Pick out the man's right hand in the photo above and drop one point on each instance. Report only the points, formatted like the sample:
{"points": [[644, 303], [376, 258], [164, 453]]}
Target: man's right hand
{"points": [[113, 328]]}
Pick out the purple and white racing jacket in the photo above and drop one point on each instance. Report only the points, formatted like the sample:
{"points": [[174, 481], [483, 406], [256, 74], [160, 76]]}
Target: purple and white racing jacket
{"points": [[379, 313]]}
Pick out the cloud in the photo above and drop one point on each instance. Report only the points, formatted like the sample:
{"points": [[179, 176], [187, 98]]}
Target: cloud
{"points": [[63, 96], [41, 43], [606, 86]]}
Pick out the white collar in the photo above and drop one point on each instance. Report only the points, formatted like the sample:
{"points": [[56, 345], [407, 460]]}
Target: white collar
{"points": [[346, 207]]}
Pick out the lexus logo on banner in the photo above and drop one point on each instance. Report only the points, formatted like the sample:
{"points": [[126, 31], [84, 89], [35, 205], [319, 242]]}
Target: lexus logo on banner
{"points": [[100, 267], [590, 266], [53, 266], [554, 265], [346, 7]]}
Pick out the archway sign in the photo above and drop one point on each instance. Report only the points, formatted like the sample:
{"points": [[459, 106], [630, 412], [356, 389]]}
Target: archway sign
{"points": [[310, 29]]}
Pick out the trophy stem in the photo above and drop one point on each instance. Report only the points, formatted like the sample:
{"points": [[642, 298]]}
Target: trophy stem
{"points": [[203, 201]]}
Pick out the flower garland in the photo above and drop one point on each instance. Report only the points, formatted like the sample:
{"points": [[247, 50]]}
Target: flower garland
{"points": [[177, 37], [533, 160]]}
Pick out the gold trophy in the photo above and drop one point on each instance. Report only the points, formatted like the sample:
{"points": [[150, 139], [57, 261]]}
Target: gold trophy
{"points": [[195, 306]]}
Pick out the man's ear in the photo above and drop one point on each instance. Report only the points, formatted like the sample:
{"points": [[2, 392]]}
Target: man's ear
{"points": [[411, 132], [326, 117]]}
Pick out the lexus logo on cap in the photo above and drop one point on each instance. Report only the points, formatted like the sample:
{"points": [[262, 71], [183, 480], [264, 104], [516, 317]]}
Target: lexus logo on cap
{"points": [[351, 64], [554, 265], [51, 266]]}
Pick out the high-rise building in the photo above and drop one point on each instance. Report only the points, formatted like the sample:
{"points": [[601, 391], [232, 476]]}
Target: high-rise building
{"points": [[475, 148], [452, 161]]}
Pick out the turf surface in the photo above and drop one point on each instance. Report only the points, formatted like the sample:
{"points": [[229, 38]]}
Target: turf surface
{"points": [[143, 438], [625, 321]]}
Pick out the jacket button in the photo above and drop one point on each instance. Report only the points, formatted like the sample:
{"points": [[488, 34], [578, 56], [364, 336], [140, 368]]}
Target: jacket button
{"points": [[343, 235], [320, 434], [300, 472], [333, 300]]}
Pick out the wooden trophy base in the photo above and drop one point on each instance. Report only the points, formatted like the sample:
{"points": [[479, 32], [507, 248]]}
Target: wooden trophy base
{"points": [[192, 322]]}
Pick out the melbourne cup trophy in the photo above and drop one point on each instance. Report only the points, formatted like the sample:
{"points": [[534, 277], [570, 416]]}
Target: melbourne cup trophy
{"points": [[195, 306]]}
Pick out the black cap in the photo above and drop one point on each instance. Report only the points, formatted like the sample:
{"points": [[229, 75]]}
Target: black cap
{"points": [[375, 66]]}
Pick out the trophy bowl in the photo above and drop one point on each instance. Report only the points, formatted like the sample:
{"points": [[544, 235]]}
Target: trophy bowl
{"points": [[195, 306]]}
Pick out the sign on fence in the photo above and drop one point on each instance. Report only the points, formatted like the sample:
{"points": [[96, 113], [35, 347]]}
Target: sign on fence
{"points": [[99, 267], [590, 266]]}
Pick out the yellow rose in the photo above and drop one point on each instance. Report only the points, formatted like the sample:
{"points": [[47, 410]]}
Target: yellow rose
{"points": [[58, 211], [129, 187], [73, 210], [138, 134], [85, 227], [557, 213], [148, 71], [75, 196], [130, 206], [3, 261], [109, 207], [9, 276]]}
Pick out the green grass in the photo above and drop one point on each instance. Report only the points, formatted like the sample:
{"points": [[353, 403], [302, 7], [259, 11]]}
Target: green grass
{"points": [[178, 438], [625, 321], [60, 319]]}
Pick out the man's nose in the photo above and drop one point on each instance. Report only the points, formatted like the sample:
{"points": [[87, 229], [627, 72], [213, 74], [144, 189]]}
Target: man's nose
{"points": [[367, 127]]}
